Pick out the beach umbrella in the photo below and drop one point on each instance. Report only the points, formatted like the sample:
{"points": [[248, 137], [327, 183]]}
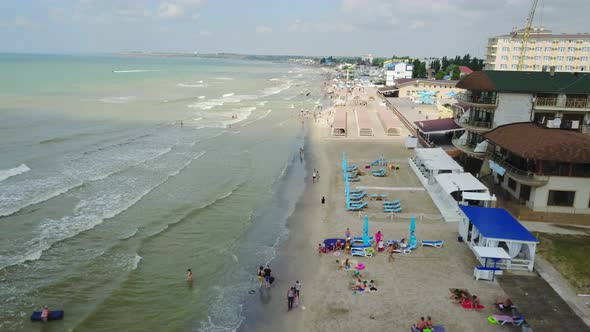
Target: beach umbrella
{"points": [[412, 225], [366, 240]]}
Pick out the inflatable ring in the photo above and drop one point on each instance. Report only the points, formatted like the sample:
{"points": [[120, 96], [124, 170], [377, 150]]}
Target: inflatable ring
{"points": [[336, 253], [491, 320], [360, 266]]}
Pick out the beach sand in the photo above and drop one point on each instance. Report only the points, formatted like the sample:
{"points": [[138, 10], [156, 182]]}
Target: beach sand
{"points": [[411, 286]]}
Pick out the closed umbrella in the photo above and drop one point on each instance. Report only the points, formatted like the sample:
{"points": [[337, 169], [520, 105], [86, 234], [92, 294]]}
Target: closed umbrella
{"points": [[366, 240], [412, 225]]}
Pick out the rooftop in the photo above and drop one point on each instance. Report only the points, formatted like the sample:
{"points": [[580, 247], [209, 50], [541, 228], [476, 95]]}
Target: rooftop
{"points": [[526, 81], [497, 223], [437, 125], [465, 70], [404, 81], [532, 141]]}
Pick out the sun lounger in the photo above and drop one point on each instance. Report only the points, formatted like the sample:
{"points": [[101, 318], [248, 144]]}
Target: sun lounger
{"points": [[393, 209], [357, 196], [406, 250], [355, 201], [378, 196], [397, 201], [502, 319], [435, 328], [357, 179], [351, 168], [392, 205], [352, 192], [365, 252], [359, 239], [436, 244], [357, 207]]}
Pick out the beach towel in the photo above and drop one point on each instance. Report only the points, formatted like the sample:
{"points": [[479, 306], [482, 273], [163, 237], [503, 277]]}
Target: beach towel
{"points": [[468, 305]]}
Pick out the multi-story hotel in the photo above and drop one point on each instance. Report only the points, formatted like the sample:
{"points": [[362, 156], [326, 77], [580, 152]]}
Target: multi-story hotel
{"points": [[565, 52], [531, 130]]}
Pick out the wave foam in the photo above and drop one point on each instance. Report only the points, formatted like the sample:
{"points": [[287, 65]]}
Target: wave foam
{"points": [[225, 78], [228, 95], [134, 71], [7, 173], [191, 85], [116, 100]]}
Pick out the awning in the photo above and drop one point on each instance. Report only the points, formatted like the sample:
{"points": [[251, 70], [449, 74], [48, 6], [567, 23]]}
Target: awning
{"points": [[436, 159], [475, 196], [451, 182], [497, 223], [437, 126]]}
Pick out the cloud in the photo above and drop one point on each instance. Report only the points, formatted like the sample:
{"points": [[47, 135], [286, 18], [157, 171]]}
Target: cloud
{"points": [[177, 8], [16, 22], [322, 27], [205, 33], [263, 29]]}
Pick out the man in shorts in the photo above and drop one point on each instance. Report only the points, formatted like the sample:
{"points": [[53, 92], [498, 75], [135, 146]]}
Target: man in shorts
{"points": [[267, 272]]}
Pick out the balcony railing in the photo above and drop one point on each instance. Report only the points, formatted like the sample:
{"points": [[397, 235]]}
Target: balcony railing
{"points": [[465, 146], [475, 99], [517, 173], [569, 102]]}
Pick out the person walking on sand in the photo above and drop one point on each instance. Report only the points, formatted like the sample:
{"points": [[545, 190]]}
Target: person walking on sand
{"points": [[267, 274], [290, 296], [260, 276], [347, 233], [189, 275], [317, 174], [314, 175], [297, 287], [323, 200]]}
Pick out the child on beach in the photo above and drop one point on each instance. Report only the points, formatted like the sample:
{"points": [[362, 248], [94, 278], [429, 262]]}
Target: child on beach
{"points": [[297, 288], [347, 232]]}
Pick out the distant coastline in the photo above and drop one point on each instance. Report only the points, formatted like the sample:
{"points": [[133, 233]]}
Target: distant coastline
{"points": [[232, 56]]}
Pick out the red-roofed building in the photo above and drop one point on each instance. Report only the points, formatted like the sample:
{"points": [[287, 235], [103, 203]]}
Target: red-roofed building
{"points": [[465, 70]]}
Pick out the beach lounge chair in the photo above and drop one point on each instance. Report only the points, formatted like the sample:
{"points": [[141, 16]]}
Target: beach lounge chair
{"points": [[357, 207], [396, 201], [435, 328], [365, 252], [391, 205], [357, 196], [406, 250], [359, 239], [352, 192], [502, 319], [436, 244], [392, 209], [378, 196], [357, 179]]}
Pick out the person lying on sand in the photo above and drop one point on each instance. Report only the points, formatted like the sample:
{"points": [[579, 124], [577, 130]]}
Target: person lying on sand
{"points": [[420, 325], [504, 304]]}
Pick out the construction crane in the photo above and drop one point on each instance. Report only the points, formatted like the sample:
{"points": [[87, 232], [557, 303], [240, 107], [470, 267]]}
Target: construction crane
{"points": [[525, 37]]}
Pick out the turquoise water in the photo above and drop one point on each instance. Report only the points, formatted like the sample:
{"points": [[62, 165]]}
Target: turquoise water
{"points": [[105, 200]]}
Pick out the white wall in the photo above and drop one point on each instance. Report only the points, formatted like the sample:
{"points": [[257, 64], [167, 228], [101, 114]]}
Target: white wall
{"points": [[580, 185], [513, 107]]}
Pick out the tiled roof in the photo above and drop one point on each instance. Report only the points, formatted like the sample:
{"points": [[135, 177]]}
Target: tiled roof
{"points": [[402, 81], [529, 140], [465, 70], [526, 81]]}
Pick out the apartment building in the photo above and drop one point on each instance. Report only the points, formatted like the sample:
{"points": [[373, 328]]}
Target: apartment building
{"points": [[532, 163], [395, 71], [565, 52]]}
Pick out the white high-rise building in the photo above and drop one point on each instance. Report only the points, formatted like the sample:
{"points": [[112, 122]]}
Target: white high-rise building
{"points": [[565, 52]]}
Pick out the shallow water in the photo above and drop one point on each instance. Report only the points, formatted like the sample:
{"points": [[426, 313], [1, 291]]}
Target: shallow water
{"points": [[106, 201]]}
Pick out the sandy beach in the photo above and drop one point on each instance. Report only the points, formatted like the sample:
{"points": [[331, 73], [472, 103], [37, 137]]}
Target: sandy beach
{"points": [[411, 286]]}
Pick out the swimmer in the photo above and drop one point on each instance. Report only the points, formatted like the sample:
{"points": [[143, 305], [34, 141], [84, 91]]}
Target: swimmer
{"points": [[189, 275]]}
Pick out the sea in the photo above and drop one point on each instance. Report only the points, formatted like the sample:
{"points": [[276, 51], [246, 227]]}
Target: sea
{"points": [[119, 173]]}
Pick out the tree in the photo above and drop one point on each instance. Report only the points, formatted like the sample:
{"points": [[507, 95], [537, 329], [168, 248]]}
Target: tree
{"points": [[419, 69], [377, 62], [466, 60], [435, 65], [440, 74], [445, 63], [455, 72]]}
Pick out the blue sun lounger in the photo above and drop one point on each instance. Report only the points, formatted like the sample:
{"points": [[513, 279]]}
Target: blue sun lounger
{"points": [[375, 196], [365, 252], [436, 244], [393, 209], [392, 205], [351, 168], [394, 202], [359, 239], [356, 207], [357, 196], [357, 179], [381, 172]]}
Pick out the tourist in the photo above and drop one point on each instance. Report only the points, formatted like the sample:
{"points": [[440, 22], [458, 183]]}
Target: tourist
{"points": [[338, 245], [320, 249], [290, 296], [474, 302], [267, 273], [372, 286], [189, 275], [45, 313], [260, 276], [346, 264], [429, 324], [380, 246], [318, 176], [323, 200], [378, 236], [347, 232], [421, 325], [314, 175], [297, 287]]}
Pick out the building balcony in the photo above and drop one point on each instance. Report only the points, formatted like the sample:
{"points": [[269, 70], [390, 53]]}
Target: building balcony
{"points": [[471, 125], [478, 100], [518, 174], [468, 148], [554, 104]]}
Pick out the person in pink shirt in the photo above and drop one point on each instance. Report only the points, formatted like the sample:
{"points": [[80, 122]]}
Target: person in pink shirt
{"points": [[378, 237]]}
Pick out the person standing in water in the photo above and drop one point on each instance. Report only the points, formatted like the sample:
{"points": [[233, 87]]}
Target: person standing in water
{"points": [[45, 314], [260, 276], [181, 124], [267, 274], [189, 275]]}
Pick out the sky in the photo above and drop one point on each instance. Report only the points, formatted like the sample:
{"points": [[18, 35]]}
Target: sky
{"points": [[418, 28]]}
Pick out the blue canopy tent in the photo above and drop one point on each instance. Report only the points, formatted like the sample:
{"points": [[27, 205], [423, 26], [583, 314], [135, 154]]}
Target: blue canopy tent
{"points": [[496, 227], [452, 94]]}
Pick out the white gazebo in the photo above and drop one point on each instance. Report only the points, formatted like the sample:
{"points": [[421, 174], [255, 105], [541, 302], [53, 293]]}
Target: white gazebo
{"points": [[430, 162], [465, 188], [495, 227]]}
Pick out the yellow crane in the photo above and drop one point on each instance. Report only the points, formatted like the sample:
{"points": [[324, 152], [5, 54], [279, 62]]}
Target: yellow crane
{"points": [[526, 34]]}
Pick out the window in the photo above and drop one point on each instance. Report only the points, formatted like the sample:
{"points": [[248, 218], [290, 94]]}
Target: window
{"points": [[511, 184], [571, 49], [515, 57], [562, 41], [547, 49], [569, 67], [570, 58], [505, 57], [503, 66], [538, 49], [561, 49], [505, 49], [537, 58], [558, 67], [561, 198], [514, 67], [536, 67], [584, 59], [582, 68], [546, 58], [559, 58], [585, 49], [505, 40], [517, 49]]}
